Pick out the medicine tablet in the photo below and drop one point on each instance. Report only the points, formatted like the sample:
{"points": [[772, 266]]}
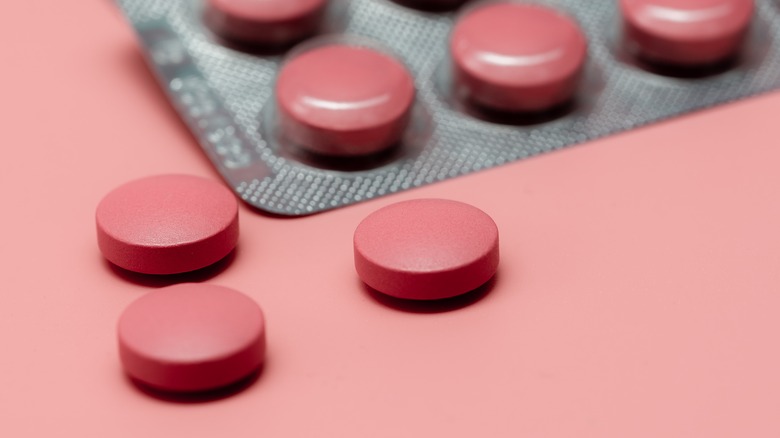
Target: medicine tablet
{"points": [[265, 22], [191, 337], [686, 32], [516, 57], [167, 224], [345, 101], [426, 249]]}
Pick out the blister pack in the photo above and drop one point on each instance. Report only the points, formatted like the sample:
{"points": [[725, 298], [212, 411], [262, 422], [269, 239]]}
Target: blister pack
{"points": [[309, 105]]}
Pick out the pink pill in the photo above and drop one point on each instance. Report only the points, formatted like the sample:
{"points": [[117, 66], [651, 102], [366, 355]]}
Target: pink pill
{"points": [[265, 22], [167, 224], [686, 32], [517, 57], [191, 337], [426, 249], [341, 100]]}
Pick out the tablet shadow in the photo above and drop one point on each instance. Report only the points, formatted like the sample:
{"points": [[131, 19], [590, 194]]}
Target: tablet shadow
{"points": [[432, 306], [197, 397], [157, 281]]}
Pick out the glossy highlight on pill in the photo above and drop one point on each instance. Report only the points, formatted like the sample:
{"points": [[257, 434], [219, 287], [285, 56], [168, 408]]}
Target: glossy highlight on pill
{"points": [[516, 57], [343, 100], [686, 33]]}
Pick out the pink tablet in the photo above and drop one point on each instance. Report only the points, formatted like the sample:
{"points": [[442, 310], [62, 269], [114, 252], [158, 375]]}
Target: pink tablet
{"points": [[191, 337], [686, 32], [343, 100], [519, 57], [426, 249], [265, 22], [167, 224]]}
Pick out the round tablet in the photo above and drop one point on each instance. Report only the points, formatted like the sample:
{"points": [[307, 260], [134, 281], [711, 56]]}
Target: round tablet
{"points": [[516, 57], [265, 22], [686, 32], [167, 224], [342, 100], [426, 249], [191, 337]]}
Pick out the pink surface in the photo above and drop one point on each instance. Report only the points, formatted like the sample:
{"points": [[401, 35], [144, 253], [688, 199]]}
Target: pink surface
{"points": [[265, 22], [344, 100], [191, 337], [167, 224], [517, 57], [638, 293], [426, 249], [686, 32]]}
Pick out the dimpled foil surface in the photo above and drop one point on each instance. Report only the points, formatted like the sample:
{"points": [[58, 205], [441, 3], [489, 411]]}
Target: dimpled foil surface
{"points": [[224, 95]]}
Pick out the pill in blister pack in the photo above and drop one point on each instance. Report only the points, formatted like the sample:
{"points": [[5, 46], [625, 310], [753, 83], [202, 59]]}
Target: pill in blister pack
{"points": [[309, 105], [343, 100], [686, 32], [264, 23]]}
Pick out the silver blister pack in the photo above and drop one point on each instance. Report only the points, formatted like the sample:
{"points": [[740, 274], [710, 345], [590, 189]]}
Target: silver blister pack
{"points": [[224, 96]]}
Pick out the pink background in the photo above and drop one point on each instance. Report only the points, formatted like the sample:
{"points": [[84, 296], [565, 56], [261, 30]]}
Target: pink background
{"points": [[638, 293]]}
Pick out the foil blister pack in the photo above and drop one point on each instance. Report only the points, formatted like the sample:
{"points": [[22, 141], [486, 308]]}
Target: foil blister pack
{"points": [[226, 94]]}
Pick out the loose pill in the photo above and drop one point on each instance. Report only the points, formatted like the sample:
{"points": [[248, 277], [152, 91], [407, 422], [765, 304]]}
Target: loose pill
{"points": [[516, 57], [191, 337], [686, 32], [167, 224], [342, 100], [426, 249], [265, 22]]}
